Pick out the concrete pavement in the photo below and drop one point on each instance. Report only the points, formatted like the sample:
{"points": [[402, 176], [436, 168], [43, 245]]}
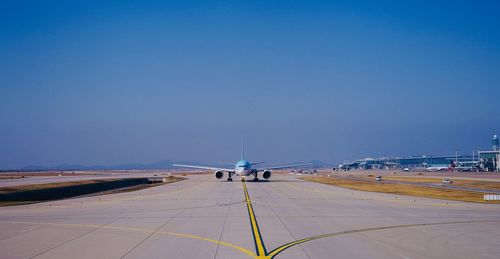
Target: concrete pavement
{"points": [[206, 218]]}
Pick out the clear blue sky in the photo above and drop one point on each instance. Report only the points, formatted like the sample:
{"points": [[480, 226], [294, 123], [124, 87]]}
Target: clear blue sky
{"points": [[110, 82]]}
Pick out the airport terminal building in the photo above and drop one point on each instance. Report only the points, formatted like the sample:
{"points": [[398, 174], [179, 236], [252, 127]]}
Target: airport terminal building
{"points": [[414, 162], [486, 161]]}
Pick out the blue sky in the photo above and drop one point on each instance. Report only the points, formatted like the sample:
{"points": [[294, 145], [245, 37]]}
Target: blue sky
{"points": [[110, 82]]}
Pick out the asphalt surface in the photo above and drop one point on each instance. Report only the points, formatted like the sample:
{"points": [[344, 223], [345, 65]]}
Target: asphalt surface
{"points": [[286, 218]]}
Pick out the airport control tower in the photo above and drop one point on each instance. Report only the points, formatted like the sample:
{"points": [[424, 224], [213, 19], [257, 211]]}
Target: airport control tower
{"points": [[490, 160]]}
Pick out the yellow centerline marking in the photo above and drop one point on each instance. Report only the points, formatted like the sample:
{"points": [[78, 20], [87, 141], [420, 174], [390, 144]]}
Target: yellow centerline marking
{"points": [[259, 243]]}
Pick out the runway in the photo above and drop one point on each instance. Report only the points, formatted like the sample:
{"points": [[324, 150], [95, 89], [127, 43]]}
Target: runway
{"points": [[285, 218]]}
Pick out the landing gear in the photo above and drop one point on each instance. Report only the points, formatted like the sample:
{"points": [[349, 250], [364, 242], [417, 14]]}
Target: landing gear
{"points": [[255, 178], [230, 178]]}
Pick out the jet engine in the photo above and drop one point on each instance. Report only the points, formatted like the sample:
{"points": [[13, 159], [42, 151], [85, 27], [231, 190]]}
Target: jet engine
{"points": [[219, 174], [266, 174]]}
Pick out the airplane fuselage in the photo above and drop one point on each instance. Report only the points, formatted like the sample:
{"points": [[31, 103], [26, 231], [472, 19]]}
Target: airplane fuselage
{"points": [[243, 168]]}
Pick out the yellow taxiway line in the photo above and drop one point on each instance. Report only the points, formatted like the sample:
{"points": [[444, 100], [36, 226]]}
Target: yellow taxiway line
{"points": [[280, 249], [136, 229], [257, 237], [258, 240]]}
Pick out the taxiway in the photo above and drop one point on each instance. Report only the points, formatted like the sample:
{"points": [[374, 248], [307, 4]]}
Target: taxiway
{"points": [[284, 218]]}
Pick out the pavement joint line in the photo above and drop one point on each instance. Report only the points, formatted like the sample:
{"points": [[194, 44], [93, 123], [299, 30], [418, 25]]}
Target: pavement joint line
{"points": [[74, 238], [224, 223], [263, 254], [258, 241], [281, 221], [152, 233], [22, 233]]}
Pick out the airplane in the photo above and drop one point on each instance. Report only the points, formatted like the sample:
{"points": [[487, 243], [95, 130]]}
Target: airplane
{"points": [[438, 168], [242, 168]]}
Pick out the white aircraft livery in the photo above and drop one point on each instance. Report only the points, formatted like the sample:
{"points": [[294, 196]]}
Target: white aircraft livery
{"points": [[242, 168]]}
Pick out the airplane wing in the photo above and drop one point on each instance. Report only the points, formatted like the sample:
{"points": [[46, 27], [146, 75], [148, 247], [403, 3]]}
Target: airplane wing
{"points": [[205, 167], [258, 163], [283, 166]]}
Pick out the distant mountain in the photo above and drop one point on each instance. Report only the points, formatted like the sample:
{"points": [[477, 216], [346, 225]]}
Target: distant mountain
{"points": [[314, 163], [320, 164], [165, 164]]}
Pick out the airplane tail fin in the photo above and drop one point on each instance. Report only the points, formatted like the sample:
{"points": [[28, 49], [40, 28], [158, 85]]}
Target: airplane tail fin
{"points": [[242, 151]]}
